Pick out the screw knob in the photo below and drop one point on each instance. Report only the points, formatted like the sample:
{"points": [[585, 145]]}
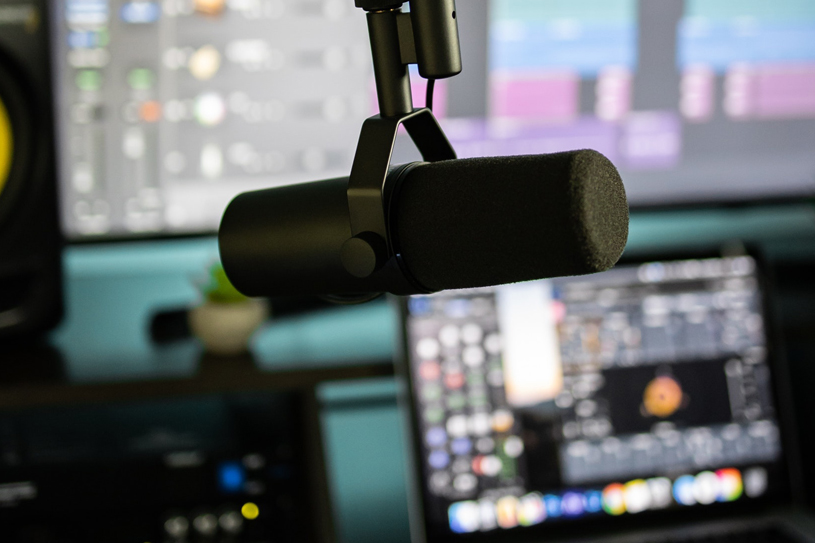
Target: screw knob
{"points": [[363, 254]]}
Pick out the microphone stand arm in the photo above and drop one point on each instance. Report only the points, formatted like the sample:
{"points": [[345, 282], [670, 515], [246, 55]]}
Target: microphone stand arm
{"points": [[427, 36]]}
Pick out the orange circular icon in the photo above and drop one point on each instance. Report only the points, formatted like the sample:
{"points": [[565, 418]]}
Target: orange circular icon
{"points": [[211, 8], [662, 397], [150, 111]]}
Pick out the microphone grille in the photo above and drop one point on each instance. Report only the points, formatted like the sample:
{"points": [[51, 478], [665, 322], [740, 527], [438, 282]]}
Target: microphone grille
{"points": [[488, 221], [599, 209]]}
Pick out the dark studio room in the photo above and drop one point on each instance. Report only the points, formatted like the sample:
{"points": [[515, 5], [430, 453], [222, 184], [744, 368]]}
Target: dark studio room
{"points": [[407, 271]]}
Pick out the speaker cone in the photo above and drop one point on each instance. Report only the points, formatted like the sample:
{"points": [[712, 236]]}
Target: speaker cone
{"points": [[30, 262], [6, 145], [16, 135]]}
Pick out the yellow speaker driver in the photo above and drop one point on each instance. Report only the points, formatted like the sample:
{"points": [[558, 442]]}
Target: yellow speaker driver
{"points": [[6, 145]]}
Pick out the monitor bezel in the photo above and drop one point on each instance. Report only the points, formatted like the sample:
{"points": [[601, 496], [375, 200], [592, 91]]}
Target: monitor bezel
{"points": [[789, 488]]}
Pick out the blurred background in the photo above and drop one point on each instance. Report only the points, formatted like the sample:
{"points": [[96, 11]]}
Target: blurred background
{"points": [[135, 379]]}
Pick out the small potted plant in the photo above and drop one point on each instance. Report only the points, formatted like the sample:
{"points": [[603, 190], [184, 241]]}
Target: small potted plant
{"points": [[226, 319]]}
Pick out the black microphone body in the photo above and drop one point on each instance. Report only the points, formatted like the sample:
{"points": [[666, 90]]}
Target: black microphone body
{"points": [[286, 241], [452, 224]]}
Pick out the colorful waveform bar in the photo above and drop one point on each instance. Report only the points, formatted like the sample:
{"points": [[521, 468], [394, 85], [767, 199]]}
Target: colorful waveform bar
{"points": [[764, 49], [539, 51], [720, 33], [584, 36]]}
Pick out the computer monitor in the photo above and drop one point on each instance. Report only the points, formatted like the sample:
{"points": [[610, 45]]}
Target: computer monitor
{"points": [[644, 390], [168, 109]]}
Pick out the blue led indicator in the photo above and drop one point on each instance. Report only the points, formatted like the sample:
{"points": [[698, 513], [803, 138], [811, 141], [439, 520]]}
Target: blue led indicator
{"points": [[231, 477]]}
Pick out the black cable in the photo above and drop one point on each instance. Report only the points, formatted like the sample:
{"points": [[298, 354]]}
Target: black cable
{"points": [[431, 86]]}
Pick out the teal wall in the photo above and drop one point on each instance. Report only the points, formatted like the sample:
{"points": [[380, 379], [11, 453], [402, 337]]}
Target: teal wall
{"points": [[114, 289]]}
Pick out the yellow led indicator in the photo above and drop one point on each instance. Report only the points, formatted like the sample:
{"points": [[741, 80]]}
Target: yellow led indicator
{"points": [[250, 511], [6, 145]]}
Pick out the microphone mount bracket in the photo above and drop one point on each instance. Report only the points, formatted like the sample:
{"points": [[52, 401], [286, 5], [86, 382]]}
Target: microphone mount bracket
{"points": [[372, 246], [427, 36]]}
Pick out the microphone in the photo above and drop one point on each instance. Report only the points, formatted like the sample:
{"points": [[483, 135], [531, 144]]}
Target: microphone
{"points": [[452, 224]]}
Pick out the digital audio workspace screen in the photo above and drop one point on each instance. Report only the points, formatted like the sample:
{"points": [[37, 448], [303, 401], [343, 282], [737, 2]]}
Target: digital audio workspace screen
{"points": [[644, 388], [169, 108]]}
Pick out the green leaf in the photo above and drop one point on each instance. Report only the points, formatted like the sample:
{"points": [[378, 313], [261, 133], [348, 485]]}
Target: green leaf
{"points": [[220, 289]]}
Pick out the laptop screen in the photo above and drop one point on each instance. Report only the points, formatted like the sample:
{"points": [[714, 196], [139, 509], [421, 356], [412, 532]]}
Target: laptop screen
{"points": [[644, 388]]}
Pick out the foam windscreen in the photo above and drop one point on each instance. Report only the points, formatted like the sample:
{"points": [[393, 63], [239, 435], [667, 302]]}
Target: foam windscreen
{"points": [[488, 221]]}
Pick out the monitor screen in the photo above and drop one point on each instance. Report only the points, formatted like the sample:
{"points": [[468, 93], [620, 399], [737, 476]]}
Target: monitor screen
{"points": [[168, 109], [642, 389]]}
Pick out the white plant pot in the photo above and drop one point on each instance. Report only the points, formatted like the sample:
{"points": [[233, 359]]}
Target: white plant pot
{"points": [[225, 328]]}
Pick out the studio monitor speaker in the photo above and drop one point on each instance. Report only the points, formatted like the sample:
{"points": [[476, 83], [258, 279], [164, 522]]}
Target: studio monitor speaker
{"points": [[30, 259]]}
